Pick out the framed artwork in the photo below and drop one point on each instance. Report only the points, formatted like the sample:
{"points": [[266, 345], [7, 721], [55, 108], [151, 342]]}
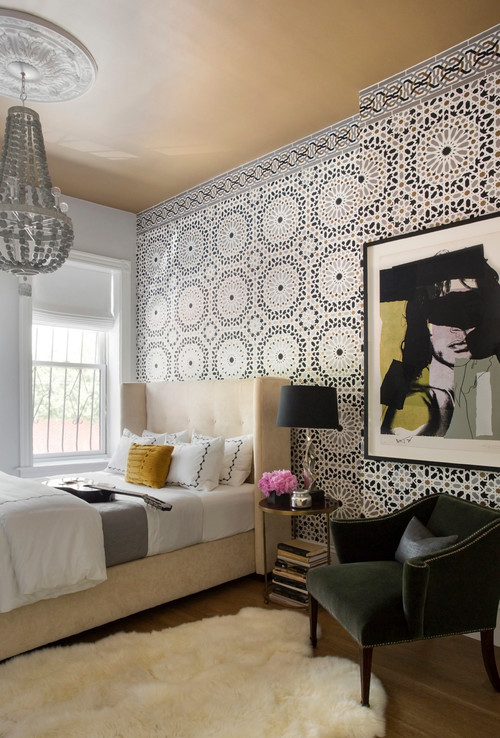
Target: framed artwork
{"points": [[432, 346]]}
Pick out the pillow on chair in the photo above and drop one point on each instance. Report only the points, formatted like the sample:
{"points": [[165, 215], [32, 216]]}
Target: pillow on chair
{"points": [[417, 540]]}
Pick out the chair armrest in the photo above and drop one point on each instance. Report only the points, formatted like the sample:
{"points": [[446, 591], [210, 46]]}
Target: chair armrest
{"points": [[376, 539], [455, 590]]}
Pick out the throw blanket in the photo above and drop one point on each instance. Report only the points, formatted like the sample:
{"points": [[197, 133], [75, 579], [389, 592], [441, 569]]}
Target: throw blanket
{"points": [[51, 543], [167, 531]]}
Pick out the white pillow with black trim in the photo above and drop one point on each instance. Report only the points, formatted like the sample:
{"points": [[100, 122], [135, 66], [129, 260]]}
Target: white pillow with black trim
{"points": [[238, 455], [168, 438], [196, 466], [118, 461]]}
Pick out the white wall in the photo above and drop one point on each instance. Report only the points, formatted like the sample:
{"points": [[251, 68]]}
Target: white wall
{"points": [[107, 232], [9, 373], [98, 230]]}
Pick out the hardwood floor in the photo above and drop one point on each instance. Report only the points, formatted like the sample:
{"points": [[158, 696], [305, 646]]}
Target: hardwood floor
{"points": [[435, 688]]}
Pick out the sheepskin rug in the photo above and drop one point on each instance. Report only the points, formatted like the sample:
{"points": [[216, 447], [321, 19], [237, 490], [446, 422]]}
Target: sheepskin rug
{"points": [[250, 674]]}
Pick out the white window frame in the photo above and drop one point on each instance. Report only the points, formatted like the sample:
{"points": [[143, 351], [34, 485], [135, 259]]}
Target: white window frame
{"points": [[101, 367], [119, 368]]}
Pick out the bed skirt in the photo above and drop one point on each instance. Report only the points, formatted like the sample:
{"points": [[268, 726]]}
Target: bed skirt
{"points": [[130, 588]]}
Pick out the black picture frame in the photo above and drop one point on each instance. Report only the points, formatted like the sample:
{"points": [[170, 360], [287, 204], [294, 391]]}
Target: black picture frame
{"points": [[412, 414]]}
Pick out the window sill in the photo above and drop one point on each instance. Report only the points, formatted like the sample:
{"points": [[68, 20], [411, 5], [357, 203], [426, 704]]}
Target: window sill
{"points": [[68, 466]]}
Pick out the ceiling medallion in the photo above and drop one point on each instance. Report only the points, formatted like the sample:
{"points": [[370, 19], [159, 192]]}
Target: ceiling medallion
{"points": [[57, 66]]}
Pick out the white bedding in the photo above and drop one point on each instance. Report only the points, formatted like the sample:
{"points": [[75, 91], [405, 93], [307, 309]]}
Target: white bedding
{"points": [[195, 516], [167, 530], [227, 511], [51, 543]]}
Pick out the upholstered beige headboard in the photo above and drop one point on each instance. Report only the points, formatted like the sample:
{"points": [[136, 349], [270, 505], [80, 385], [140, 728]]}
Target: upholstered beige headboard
{"points": [[230, 407]]}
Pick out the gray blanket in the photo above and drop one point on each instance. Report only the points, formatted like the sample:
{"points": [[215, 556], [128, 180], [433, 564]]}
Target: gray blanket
{"points": [[125, 528]]}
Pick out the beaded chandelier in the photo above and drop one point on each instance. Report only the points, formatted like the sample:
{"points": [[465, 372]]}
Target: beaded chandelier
{"points": [[36, 234]]}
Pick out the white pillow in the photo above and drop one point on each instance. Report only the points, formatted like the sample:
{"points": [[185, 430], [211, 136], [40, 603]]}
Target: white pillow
{"points": [[168, 438], [196, 465], [118, 462], [237, 463]]}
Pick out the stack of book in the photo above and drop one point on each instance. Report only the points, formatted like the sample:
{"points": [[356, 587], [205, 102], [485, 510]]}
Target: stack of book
{"points": [[293, 561]]}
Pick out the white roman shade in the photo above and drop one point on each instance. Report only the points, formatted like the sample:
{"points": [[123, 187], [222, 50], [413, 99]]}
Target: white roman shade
{"points": [[76, 294]]}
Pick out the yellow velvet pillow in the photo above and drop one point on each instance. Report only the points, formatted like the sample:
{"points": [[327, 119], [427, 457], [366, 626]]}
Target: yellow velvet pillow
{"points": [[148, 464]]}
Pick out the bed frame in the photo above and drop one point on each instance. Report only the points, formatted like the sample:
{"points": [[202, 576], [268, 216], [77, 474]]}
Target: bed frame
{"points": [[228, 408]]}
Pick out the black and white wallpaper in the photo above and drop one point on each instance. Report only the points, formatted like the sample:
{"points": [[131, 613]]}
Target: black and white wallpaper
{"points": [[259, 272]]}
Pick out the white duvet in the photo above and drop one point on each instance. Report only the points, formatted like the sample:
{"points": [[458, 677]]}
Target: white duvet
{"points": [[51, 543], [195, 516], [167, 530]]}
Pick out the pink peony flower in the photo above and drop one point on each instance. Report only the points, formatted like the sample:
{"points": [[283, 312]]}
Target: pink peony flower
{"points": [[280, 481]]}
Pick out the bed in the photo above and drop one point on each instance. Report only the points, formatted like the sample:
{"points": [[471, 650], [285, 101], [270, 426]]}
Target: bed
{"points": [[227, 408]]}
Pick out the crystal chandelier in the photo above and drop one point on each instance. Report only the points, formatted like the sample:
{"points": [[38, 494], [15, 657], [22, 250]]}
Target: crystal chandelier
{"points": [[36, 234]]}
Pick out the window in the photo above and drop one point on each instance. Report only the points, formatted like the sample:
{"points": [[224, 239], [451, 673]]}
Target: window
{"points": [[69, 390], [75, 349]]}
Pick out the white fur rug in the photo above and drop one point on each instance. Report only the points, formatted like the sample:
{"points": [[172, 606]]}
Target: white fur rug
{"points": [[237, 676]]}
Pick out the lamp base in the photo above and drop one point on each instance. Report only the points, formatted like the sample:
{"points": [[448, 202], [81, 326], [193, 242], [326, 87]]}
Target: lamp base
{"points": [[300, 499]]}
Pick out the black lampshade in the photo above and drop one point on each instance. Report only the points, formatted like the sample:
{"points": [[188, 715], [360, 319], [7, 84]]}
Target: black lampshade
{"points": [[308, 406]]}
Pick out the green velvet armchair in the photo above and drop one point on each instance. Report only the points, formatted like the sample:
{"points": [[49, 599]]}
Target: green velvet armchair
{"points": [[380, 600]]}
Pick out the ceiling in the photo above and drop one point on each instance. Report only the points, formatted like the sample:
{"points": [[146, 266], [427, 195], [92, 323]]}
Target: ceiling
{"points": [[189, 89]]}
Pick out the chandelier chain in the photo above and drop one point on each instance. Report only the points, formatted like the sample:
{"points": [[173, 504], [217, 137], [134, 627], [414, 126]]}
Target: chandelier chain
{"points": [[23, 94]]}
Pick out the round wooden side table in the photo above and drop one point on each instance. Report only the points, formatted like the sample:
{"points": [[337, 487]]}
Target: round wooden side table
{"points": [[317, 508]]}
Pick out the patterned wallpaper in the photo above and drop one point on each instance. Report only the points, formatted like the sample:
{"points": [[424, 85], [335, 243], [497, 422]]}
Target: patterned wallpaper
{"points": [[259, 272]]}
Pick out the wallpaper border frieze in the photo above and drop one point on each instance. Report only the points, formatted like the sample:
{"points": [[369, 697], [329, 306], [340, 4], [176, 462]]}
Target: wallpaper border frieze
{"points": [[459, 65], [329, 142]]}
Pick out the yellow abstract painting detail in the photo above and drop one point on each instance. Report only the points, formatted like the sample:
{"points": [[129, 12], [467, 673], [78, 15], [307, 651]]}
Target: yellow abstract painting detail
{"points": [[415, 412]]}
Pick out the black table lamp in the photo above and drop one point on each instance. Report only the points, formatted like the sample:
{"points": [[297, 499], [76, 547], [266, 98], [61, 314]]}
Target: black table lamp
{"points": [[308, 406]]}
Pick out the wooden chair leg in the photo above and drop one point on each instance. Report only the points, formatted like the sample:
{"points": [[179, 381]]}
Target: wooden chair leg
{"points": [[313, 620], [366, 655], [488, 651]]}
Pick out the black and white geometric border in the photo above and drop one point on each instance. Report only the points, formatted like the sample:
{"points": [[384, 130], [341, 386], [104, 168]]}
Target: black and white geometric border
{"points": [[459, 65], [328, 142]]}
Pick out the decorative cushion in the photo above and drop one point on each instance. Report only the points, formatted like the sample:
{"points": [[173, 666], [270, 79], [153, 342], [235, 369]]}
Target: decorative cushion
{"points": [[196, 465], [170, 438], [237, 462], [417, 540], [148, 464], [118, 462]]}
